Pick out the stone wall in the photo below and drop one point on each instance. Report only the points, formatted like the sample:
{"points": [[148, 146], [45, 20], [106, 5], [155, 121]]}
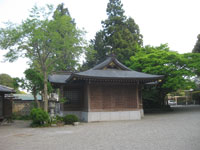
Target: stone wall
{"points": [[20, 107]]}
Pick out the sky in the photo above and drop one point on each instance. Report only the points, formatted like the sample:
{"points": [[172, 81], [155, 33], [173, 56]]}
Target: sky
{"points": [[175, 22]]}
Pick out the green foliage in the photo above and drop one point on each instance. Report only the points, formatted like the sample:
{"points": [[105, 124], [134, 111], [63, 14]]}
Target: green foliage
{"points": [[20, 117], [59, 118], [61, 11], [50, 40], [39, 117], [193, 64], [16, 85], [34, 77], [119, 35], [33, 81], [90, 58], [161, 61], [72, 41], [63, 100], [6, 80], [70, 119]]}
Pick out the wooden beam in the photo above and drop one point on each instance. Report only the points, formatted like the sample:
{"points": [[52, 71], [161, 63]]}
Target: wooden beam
{"points": [[88, 96]]}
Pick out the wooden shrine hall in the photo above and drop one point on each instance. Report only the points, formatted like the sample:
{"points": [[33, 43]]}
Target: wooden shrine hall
{"points": [[108, 91]]}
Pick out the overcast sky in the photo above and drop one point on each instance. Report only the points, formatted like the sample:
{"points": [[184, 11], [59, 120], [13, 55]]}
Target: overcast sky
{"points": [[175, 22]]}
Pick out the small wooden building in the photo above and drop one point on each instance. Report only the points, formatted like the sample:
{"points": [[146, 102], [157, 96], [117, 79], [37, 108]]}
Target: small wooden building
{"points": [[108, 91], [5, 104]]}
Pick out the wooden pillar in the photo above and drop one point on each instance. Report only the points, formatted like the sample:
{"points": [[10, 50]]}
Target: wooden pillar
{"points": [[140, 97], [137, 96], [61, 91], [88, 96], [1, 105]]}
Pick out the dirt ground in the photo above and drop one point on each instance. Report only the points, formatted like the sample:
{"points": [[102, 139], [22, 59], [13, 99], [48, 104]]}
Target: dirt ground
{"points": [[177, 130]]}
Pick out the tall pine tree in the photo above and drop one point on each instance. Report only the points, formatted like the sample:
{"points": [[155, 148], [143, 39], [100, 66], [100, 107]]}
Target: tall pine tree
{"points": [[196, 48], [68, 61], [119, 35]]}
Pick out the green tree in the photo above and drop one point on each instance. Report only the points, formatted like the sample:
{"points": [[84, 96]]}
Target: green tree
{"points": [[119, 35], [74, 41], [196, 48], [6, 80], [16, 85], [90, 58], [61, 11], [193, 64], [33, 83], [44, 41], [161, 61]]}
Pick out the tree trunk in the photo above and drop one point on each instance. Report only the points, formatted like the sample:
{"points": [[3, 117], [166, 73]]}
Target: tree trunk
{"points": [[45, 92], [36, 100]]}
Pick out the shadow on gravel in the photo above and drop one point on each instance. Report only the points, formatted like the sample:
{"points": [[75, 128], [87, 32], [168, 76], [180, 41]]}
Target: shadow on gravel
{"points": [[185, 108], [17, 124], [175, 109]]}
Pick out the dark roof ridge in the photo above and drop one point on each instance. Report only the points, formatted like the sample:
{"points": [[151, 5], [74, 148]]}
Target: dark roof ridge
{"points": [[105, 70], [108, 61], [122, 65], [62, 72]]}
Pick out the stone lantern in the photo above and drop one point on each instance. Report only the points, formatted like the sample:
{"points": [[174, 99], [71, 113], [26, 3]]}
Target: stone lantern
{"points": [[52, 105]]}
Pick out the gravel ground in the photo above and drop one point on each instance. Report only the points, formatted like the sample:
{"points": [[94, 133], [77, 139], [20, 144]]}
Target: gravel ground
{"points": [[177, 130]]}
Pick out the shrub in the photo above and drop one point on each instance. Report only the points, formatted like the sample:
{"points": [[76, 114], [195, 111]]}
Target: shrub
{"points": [[56, 120], [20, 117], [70, 119], [39, 117], [59, 118]]}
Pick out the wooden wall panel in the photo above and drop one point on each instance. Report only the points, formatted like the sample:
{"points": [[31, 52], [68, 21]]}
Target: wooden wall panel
{"points": [[113, 97]]}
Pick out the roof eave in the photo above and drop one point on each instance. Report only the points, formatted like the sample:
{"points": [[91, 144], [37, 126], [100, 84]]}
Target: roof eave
{"points": [[74, 76]]}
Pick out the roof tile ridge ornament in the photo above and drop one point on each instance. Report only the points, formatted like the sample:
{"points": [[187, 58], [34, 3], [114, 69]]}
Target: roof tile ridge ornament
{"points": [[110, 58]]}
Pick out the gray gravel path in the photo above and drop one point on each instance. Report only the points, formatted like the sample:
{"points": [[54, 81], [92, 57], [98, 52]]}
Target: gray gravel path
{"points": [[177, 130]]}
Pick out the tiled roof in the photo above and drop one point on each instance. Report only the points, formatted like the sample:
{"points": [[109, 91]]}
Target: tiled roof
{"points": [[111, 68], [115, 74], [59, 78], [104, 70], [5, 89], [26, 97]]}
